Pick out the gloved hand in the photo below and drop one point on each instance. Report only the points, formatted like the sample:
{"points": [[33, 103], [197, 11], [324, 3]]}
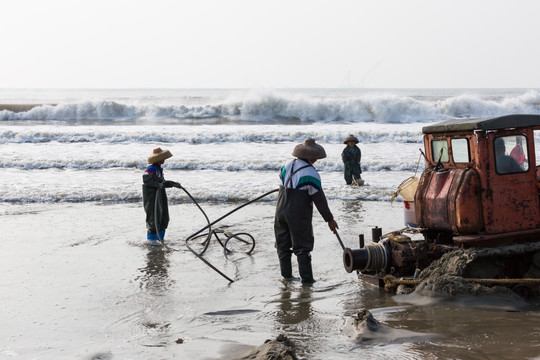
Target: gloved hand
{"points": [[170, 184]]}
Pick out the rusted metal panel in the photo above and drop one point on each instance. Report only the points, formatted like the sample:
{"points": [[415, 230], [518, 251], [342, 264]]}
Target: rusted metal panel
{"points": [[516, 206], [481, 240], [449, 201], [511, 201], [432, 194], [468, 204]]}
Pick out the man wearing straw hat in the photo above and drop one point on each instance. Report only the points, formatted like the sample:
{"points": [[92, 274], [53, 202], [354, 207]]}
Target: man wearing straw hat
{"points": [[300, 188], [351, 156], [155, 197]]}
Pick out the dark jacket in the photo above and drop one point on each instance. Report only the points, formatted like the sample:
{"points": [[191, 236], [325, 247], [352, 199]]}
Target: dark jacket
{"points": [[351, 163], [153, 182], [294, 211], [351, 157]]}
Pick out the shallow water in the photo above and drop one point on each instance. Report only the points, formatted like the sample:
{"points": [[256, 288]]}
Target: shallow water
{"points": [[81, 283]]}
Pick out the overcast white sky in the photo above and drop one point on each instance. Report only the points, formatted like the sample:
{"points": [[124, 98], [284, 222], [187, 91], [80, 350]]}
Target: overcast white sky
{"points": [[269, 43]]}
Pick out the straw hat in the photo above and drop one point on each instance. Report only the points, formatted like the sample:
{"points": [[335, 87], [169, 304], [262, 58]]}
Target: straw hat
{"points": [[309, 150], [158, 156], [350, 138]]}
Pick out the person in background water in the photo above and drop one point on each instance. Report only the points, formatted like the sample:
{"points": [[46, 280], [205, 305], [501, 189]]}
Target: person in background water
{"points": [[300, 187], [154, 184], [518, 153], [351, 156]]}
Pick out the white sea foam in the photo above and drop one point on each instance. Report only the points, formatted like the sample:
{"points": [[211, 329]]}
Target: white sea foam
{"points": [[120, 185], [330, 133], [93, 145], [285, 107]]}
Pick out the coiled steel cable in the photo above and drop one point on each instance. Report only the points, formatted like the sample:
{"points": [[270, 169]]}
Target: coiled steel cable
{"points": [[210, 231]]}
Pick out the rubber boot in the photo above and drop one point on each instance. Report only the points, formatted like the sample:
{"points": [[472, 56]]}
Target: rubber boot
{"points": [[154, 237], [286, 268], [304, 268], [161, 234]]}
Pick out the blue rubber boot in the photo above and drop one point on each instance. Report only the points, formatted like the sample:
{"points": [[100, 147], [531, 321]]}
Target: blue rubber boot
{"points": [[154, 237]]}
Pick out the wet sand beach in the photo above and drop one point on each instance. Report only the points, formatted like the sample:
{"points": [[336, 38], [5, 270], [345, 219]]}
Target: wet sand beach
{"points": [[80, 282]]}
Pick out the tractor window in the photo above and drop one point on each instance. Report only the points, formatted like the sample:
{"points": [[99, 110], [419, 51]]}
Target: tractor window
{"points": [[537, 146], [439, 150], [460, 150], [511, 154]]}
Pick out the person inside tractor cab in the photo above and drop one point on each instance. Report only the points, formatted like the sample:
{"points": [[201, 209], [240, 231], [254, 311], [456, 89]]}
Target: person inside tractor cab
{"points": [[504, 164], [518, 153]]}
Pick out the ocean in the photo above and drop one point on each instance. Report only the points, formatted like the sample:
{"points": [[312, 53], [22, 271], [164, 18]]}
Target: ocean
{"points": [[79, 280], [92, 145]]}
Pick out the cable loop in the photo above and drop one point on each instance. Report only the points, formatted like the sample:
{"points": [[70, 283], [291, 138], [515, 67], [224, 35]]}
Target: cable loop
{"points": [[211, 232]]}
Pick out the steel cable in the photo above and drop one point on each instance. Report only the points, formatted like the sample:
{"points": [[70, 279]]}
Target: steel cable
{"points": [[210, 231]]}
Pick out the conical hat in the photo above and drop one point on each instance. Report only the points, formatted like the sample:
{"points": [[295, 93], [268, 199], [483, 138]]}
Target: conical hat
{"points": [[351, 138], [158, 156], [309, 150]]}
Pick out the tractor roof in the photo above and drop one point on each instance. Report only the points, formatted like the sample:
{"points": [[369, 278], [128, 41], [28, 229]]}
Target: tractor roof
{"points": [[493, 123]]}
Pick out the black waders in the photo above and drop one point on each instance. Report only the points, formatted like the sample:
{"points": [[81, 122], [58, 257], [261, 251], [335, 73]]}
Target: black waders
{"points": [[156, 211], [304, 268], [286, 268], [293, 230]]}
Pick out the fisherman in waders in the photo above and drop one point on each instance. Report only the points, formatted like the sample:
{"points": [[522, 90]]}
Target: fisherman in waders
{"points": [[351, 156], [300, 188], [154, 184]]}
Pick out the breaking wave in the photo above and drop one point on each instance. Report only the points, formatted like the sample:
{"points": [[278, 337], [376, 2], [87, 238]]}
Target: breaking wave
{"points": [[287, 108], [196, 165], [203, 135]]}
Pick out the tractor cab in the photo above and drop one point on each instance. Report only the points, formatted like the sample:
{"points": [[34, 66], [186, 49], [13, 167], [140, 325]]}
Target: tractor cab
{"points": [[480, 186], [480, 189]]}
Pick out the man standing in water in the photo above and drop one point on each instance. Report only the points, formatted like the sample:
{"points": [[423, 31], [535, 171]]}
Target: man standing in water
{"points": [[300, 188], [351, 156], [155, 197]]}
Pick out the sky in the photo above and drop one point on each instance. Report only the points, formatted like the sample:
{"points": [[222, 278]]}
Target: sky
{"points": [[269, 43]]}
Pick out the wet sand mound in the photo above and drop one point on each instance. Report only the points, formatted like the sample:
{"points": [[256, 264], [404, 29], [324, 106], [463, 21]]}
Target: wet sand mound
{"points": [[449, 274], [365, 329], [279, 349]]}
